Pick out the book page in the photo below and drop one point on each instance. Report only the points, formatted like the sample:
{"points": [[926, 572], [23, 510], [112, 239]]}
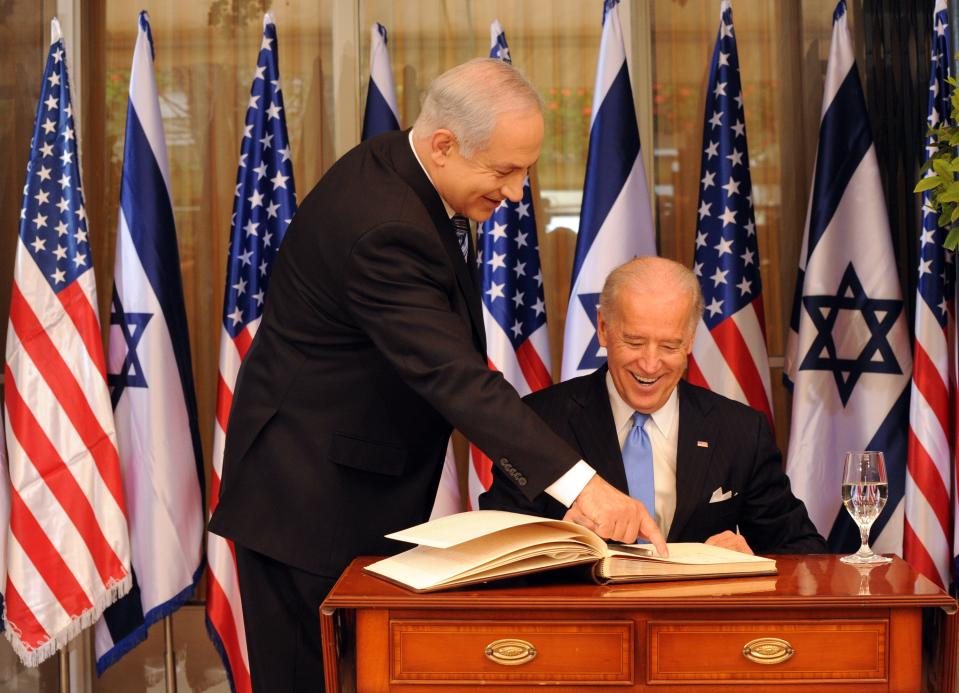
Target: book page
{"points": [[426, 567], [686, 553], [452, 530]]}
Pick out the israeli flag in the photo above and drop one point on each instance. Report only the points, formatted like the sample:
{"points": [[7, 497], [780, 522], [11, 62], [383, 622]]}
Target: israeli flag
{"points": [[848, 358], [616, 223], [381, 113], [151, 381]]}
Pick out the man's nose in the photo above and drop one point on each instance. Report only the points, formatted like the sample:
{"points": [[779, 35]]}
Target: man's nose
{"points": [[513, 186], [648, 359]]}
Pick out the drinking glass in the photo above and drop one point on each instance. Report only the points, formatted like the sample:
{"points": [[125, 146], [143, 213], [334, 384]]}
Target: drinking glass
{"points": [[864, 493]]}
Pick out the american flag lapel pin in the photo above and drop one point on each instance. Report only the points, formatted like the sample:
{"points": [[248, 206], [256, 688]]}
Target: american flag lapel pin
{"points": [[702, 444]]}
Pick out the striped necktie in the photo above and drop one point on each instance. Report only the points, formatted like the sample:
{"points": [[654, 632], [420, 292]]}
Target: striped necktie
{"points": [[462, 226], [638, 463]]}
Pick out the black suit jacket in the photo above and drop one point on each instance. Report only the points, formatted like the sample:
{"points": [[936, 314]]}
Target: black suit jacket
{"points": [[371, 347], [742, 457]]}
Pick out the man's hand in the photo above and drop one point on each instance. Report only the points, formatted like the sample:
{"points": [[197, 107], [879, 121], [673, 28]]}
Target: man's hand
{"points": [[730, 540], [614, 515]]}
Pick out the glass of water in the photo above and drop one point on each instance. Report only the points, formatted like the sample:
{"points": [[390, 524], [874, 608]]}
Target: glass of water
{"points": [[864, 493]]}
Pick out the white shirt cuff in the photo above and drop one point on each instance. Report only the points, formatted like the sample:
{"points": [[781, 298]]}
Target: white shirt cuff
{"points": [[570, 485]]}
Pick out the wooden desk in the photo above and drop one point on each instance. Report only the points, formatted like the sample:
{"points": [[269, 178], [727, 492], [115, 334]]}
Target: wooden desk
{"points": [[880, 629]]}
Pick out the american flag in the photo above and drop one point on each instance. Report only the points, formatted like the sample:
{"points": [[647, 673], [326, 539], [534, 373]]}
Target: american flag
{"points": [[150, 375], [514, 308], [265, 203], [729, 352], [928, 539], [68, 556], [514, 312]]}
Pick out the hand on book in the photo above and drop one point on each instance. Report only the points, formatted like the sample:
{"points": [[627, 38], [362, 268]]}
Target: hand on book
{"points": [[730, 540], [614, 515]]}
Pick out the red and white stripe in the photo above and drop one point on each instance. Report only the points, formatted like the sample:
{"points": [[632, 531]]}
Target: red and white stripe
{"points": [[68, 552], [223, 606], [927, 531], [731, 359]]}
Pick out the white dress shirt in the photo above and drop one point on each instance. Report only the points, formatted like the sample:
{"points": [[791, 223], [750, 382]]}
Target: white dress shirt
{"points": [[662, 427], [567, 487]]}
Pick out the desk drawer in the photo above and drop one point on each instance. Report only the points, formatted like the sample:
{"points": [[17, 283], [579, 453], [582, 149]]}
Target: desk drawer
{"points": [[781, 651], [519, 652]]}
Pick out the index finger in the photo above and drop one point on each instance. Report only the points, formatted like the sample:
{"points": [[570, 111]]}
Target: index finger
{"points": [[649, 529]]}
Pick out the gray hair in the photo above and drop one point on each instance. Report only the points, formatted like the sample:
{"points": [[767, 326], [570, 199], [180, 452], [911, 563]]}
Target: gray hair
{"points": [[469, 98], [653, 271]]}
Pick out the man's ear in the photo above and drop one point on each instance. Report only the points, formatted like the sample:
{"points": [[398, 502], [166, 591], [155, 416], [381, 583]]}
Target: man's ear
{"points": [[441, 145], [601, 327]]}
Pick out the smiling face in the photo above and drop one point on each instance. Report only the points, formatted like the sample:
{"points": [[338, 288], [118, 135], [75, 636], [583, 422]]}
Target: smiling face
{"points": [[474, 186], [648, 340]]}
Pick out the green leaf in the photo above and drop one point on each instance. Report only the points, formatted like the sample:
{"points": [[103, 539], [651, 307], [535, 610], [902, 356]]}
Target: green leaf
{"points": [[928, 183], [952, 240], [941, 167], [945, 212]]}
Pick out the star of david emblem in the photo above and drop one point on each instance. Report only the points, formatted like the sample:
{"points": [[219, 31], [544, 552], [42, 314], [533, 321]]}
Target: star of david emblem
{"points": [[131, 327], [876, 355], [592, 358]]}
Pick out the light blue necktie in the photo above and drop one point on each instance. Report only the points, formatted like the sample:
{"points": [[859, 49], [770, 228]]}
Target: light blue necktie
{"points": [[638, 462]]}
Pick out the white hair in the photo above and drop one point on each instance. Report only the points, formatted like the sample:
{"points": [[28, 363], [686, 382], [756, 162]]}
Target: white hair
{"points": [[653, 271], [468, 99]]}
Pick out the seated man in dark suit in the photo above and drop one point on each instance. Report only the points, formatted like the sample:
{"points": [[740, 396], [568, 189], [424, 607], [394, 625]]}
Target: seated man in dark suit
{"points": [[707, 465]]}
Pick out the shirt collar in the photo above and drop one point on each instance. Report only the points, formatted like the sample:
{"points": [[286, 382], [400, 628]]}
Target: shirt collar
{"points": [[449, 210], [664, 417]]}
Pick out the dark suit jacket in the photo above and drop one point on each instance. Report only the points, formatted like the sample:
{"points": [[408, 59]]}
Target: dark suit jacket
{"points": [[371, 347], [742, 457]]}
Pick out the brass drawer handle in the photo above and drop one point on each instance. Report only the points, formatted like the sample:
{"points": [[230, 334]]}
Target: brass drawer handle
{"points": [[768, 650], [510, 652]]}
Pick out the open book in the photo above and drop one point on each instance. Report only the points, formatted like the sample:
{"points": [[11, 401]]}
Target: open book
{"points": [[485, 545]]}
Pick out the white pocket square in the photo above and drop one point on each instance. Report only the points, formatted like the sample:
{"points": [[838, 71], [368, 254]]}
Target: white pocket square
{"points": [[719, 496]]}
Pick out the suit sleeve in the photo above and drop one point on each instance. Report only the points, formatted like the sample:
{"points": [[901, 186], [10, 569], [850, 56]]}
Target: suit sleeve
{"points": [[399, 287], [774, 520]]}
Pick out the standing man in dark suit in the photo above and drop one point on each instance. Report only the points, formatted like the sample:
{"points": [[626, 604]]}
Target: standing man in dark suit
{"points": [[717, 474], [371, 349]]}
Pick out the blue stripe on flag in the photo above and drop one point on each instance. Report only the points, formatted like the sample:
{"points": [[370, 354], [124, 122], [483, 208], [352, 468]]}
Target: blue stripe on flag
{"points": [[129, 626], [844, 535], [378, 117], [844, 139], [613, 148], [142, 206]]}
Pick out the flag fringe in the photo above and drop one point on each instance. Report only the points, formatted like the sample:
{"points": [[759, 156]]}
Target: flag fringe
{"points": [[139, 634], [32, 657]]}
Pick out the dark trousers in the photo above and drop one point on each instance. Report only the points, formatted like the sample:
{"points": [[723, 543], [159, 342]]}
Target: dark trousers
{"points": [[281, 613]]}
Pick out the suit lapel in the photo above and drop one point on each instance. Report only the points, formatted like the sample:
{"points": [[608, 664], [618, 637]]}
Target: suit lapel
{"points": [[692, 460], [591, 420], [409, 168]]}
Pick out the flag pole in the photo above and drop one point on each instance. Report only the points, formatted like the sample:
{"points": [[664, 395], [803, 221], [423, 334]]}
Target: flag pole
{"points": [[64, 670], [169, 663]]}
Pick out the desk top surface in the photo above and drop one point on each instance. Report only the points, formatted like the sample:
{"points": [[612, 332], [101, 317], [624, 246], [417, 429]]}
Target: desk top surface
{"points": [[802, 582]]}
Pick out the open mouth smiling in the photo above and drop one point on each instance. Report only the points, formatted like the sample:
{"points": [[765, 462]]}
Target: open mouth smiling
{"points": [[645, 381]]}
